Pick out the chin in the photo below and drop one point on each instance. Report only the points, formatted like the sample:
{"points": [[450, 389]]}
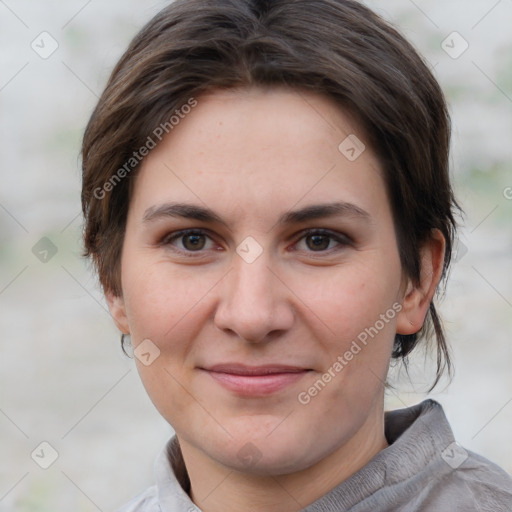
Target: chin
{"points": [[264, 454]]}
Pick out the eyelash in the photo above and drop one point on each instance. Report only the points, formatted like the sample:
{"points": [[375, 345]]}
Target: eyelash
{"points": [[342, 240]]}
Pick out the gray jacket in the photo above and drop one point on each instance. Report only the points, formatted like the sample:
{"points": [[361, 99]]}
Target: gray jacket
{"points": [[423, 470]]}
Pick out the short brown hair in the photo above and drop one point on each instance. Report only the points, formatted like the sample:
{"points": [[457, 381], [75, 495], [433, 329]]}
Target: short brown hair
{"points": [[336, 48]]}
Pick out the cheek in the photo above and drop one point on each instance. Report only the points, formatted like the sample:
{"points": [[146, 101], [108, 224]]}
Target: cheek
{"points": [[160, 300], [351, 300], [164, 307], [359, 306]]}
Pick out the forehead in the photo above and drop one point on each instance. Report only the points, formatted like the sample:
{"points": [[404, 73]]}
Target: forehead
{"points": [[270, 119], [265, 149]]}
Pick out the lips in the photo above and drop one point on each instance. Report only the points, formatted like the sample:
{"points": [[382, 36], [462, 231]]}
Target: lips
{"points": [[241, 369], [255, 380]]}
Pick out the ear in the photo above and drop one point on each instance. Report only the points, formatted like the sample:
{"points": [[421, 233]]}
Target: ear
{"points": [[118, 311], [417, 298]]}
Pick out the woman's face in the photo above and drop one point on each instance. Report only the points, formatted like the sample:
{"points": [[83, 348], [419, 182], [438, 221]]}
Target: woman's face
{"points": [[267, 328]]}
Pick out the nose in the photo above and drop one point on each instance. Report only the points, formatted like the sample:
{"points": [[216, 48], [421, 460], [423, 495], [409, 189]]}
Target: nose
{"points": [[255, 304]]}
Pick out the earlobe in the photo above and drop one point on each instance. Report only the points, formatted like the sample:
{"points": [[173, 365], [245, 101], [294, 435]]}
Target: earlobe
{"points": [[417, 297], [412, 315], [117, 310]]}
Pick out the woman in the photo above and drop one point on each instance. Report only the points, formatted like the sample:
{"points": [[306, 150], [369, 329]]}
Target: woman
{"points": [[267, 201]]}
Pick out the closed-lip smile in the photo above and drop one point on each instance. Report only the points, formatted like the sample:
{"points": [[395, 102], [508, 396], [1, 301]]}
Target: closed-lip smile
{"points": [[254, 381]]}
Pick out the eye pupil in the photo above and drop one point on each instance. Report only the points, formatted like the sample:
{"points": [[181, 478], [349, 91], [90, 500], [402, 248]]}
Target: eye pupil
{"points": [[319, 241], [193, 241]]}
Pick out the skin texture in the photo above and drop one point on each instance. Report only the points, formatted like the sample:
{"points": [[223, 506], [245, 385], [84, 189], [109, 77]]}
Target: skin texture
{"points": [[252, 155]]}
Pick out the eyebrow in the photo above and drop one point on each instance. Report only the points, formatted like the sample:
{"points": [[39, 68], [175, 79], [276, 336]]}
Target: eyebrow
{"points": [[200, 213]]}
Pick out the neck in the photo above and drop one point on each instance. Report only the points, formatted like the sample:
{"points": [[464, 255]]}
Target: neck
{"points": [[216, 488]]}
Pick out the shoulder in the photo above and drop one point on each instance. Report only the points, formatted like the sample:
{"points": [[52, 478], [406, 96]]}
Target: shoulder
{"points": [[462, 480], [427, 471], [147, 501], [476, 482]]}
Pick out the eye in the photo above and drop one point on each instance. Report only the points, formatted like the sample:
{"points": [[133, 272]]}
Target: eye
{"points": [[189, 240], [321, 240]]}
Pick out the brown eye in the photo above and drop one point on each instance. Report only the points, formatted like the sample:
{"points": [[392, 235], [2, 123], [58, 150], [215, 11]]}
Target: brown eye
{"points": [[318, 242], [188, 241], [193, 242]]}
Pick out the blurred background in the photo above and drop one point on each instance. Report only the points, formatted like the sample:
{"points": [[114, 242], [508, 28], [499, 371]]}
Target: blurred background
{"points": [[63, 377]]}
